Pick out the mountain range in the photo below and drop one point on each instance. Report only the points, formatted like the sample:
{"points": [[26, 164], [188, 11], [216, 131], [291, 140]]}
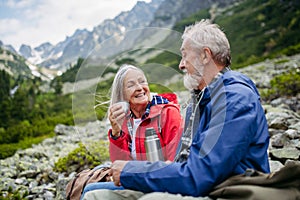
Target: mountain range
{"points": [[256, 29], [117, 32]]}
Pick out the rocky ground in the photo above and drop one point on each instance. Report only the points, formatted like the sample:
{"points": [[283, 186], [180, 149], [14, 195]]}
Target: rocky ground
{"points": [[32, 169]]}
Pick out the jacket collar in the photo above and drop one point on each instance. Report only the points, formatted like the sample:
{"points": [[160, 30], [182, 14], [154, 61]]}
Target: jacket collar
{"points": [[155, 110], [215, 83]]}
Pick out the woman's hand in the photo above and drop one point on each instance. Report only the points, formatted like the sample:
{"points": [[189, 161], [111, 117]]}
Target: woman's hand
{"points": [[116, 118]]}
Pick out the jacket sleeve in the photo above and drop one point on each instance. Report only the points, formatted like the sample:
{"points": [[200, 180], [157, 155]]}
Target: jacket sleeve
{"points": [[221, 142], [172, 127], [118, 148]]}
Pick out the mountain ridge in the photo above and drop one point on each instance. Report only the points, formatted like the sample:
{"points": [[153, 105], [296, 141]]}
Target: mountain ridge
{"points": [[157, 13], [80, 44], [114, 36]]}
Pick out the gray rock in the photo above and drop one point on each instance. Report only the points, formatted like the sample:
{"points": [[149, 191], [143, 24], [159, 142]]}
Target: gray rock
{"points": [[275, 165], [8, 172], [279, 123], [292, 161], [33, 184], [296, 126], [48, 195], [7, 183], [60, 188], [279, 140], [285, 154], [276, 102], [28, 173], [292, 134], [62, 129], [21, 181]]}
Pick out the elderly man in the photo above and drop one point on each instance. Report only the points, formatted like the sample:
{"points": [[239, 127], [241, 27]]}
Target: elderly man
{"points": [[225, 132]]}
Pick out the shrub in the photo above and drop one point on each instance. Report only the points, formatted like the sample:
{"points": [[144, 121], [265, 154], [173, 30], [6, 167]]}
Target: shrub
{"points": [[83, 157], [287, 84]]}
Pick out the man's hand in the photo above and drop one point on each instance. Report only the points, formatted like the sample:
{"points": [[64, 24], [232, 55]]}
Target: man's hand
{"points": [[116, 169]]}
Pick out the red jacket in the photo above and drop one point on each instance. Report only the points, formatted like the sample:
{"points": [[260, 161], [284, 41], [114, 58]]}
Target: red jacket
{"points": [[167, 116]]}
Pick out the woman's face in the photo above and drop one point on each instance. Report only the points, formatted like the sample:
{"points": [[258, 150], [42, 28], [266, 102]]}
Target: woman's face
{"points": [[136, 88]]}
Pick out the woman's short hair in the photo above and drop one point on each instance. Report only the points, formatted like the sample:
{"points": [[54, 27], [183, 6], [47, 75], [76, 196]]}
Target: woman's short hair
{"points": [[205, 34], [117, 91]]}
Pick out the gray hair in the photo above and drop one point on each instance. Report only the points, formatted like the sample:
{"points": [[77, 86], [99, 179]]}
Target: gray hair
{"points": [[205, 34], [117, 89]]}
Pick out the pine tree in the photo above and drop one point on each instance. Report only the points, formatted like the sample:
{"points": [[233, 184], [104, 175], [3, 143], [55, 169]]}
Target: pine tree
{"points": [[5, 85]]}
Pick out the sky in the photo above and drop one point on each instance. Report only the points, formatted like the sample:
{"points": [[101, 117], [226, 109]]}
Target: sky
{"points": [[33, 22]]}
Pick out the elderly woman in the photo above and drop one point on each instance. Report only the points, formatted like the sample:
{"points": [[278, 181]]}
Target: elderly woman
{"points": [[128, 126]]}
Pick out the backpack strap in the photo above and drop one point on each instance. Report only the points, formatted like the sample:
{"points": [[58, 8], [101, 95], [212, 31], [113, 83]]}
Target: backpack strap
{"points": [[159, 124], [191, 126], [72, 187]]}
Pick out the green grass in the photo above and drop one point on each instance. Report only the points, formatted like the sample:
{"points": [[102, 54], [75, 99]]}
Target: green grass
{"points": [[7, 150]]}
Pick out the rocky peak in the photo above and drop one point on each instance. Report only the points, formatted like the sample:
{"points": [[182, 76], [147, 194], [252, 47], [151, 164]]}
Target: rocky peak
{"points": [[25, 51], [8, 47], [44, 47]]}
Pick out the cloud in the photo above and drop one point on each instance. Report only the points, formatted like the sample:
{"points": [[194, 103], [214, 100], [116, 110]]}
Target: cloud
{"points": [[13, 25], [34, 22], [19, 4]]}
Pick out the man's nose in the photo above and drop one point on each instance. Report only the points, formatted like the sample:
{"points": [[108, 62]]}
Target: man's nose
{"points": [[181, 64]]}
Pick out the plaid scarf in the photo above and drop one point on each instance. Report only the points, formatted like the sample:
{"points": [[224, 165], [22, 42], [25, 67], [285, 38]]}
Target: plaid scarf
{"points": [[155, 101]]}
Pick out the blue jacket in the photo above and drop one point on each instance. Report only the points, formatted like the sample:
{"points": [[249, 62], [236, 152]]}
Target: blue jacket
{"points": [[232, 136]]}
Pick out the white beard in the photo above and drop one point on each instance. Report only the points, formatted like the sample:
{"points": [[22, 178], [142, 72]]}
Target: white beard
{"points": [[191, 82]]}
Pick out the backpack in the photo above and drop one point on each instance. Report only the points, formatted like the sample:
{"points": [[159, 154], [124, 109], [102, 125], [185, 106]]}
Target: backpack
{"points": [[76, 185], [283, 184], [172, 97]]}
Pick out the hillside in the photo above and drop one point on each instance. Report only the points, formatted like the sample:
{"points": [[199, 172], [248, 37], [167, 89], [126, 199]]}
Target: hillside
{"points": [[256, 30], [20, 68], [14, 64], [262, 29]]}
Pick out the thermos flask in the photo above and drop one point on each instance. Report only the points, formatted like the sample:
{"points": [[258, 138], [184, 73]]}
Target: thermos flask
{"points": [[153, 147]]}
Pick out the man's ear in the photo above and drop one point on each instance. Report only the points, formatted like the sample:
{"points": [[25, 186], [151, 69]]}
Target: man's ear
{"points": [[207, 55]]}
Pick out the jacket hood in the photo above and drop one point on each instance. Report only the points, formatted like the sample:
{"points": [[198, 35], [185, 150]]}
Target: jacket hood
{"points": [[227, 79]]}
